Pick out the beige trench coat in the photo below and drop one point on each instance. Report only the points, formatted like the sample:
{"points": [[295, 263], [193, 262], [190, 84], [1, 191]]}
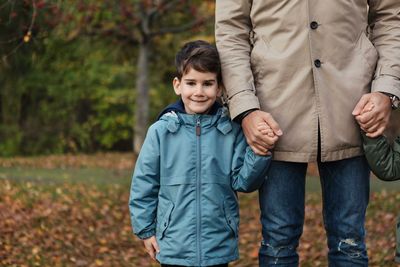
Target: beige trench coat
{"points": [[308, 62]]}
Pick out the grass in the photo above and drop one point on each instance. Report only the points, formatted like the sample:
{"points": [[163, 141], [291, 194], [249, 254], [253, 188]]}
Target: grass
{"points": [[97, 176], [106, 176]]}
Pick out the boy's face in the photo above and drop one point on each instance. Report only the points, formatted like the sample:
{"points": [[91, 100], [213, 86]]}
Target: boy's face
{"points": [[199, 91]]}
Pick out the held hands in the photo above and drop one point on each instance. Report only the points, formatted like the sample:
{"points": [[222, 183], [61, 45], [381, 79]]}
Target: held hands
{"points": [[151, 246], [261, 131], [372, 113]]}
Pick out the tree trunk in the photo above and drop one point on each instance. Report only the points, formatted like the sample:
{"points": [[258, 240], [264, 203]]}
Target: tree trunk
{"points": [[10, 97], [142, 97]]}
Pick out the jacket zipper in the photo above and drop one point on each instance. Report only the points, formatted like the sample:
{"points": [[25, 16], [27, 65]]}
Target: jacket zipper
{"points": [[198, 133]]}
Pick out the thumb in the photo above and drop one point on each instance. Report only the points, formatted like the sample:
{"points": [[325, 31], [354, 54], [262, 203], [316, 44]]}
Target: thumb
{"points": [[360, 105]]}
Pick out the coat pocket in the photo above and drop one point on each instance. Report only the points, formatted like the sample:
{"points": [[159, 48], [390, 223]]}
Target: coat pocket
{"points": [[368, 50], [231, 218], [165, 220]]}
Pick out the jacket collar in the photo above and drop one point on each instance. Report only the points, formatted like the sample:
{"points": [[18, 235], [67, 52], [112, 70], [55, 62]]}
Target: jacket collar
{"points": [[175, 116], [179, 107]]}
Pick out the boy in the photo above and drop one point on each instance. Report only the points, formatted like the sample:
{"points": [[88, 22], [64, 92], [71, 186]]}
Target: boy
{"points": [[183, 202]]}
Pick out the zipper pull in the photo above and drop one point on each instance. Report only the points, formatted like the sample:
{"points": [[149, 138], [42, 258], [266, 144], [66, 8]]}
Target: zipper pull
{"points": [[198, 129]]}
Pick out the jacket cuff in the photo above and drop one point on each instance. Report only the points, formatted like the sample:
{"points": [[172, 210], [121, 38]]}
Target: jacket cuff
{"points": [[239, 118], [255, 156], [242, 102], [386, 84], [147, 234]]}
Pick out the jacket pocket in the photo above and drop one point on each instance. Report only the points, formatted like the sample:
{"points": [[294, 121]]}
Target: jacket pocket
{"points": [[231, 218], [165, 220], [368, 50]]}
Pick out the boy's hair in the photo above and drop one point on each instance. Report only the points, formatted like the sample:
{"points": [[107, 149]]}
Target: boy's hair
{"points": [[198, 55]]}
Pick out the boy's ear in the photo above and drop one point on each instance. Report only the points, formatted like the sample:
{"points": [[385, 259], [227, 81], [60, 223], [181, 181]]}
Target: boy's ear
{"points": [[177, 83], [219, 90]]}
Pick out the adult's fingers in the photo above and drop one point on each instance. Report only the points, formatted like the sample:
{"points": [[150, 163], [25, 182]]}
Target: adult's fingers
{"points": [[361, 104], [370, 123], [372, 128], [368, 107], [260, 150], [377, 133], [365, 118]]}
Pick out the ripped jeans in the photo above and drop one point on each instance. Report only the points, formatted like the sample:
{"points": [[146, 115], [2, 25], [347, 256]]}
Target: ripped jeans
{"points": [[345, 193]]}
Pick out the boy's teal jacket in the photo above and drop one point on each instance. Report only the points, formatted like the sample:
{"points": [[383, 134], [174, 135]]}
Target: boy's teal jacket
{"points": [[183, 187], [383, 159]]}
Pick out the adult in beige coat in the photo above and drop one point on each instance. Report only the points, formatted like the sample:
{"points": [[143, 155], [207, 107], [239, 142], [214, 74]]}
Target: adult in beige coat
{"points": [[307, 68]]}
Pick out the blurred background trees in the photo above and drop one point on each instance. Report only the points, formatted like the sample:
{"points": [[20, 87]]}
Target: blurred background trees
{"points": [[84, 76], [88, 75]]}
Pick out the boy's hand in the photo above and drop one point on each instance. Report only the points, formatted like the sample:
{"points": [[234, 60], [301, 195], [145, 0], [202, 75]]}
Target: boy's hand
{"points": [[151, 247], [265, 129]]}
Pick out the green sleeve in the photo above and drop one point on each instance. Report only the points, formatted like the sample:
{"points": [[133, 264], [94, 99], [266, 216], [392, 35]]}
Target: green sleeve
{"points": [[383, 159]]}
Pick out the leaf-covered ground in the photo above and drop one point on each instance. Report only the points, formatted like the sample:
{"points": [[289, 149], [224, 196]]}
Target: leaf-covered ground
{"points": [[74, 221]]}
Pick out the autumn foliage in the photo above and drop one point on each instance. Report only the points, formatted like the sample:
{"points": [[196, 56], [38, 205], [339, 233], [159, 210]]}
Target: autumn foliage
{"points": [[65, 223]]}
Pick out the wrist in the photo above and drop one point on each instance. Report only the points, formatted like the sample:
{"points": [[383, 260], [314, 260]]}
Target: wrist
{"points": [[394, 100]]}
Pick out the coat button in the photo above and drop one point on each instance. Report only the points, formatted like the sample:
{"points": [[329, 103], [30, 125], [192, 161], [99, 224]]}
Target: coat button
{"points": [[165, 224], [317, 63], [314, 25]]}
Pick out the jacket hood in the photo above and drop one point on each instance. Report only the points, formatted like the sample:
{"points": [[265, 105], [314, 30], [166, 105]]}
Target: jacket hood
{"points": [[175, 116]]}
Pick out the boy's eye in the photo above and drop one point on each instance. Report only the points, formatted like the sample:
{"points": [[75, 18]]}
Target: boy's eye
{"points": [[208, 84], [191, 83]]}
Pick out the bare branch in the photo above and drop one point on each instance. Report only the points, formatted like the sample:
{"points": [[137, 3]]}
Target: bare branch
{"points": [[164, 5], [144, 24], [28, 34], [98, 31], [181, 28], [5, 4]]}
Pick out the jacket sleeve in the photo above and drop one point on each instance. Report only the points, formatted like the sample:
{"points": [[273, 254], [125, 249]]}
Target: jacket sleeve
{"points": [[383, 160], [145, 185], [232, 34], [248, 169], [384, 22]]}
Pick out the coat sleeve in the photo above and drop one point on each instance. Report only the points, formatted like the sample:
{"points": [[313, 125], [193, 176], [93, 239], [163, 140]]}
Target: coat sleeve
{"points": [[248, 169], [383, 160], [232, 35], [145, 185], [384, 22]]}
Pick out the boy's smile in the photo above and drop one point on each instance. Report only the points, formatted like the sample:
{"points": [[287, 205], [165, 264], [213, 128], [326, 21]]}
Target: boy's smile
{"points": [[198, 90]]}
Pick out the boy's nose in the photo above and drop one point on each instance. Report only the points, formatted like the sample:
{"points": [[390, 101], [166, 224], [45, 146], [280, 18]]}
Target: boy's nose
{"points": [[199, 90]]}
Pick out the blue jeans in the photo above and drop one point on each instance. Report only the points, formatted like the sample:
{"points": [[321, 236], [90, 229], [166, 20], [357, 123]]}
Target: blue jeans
{"points": [[345, 193]]}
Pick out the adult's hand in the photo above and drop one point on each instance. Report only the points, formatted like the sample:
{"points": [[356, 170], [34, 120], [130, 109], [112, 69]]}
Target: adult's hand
{"points": [[375, 121], [259, 142]]}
